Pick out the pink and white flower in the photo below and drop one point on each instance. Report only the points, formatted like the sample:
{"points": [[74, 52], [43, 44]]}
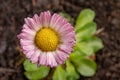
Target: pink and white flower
{"points": [[47, 39]]}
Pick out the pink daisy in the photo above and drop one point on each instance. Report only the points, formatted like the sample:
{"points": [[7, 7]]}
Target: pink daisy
{"points": [[47, 40]]}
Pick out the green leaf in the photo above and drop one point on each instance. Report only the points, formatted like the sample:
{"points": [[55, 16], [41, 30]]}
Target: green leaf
{"points": [[86, 67], [71, 73], [42, 72], [33, 72], [86, 16], [86, 32], [59, 74], [28, 66], [76, 57], [83, 49], [95, 43]]}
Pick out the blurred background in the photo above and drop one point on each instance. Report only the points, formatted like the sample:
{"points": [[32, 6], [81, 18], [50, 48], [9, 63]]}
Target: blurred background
{"points": [[13, 12]]}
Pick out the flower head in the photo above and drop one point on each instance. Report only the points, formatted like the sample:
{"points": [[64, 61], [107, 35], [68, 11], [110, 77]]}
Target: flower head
{"points": [[47, 39]]}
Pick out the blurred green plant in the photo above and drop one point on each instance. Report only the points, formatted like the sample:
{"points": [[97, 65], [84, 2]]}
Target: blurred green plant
{"points": [[32, 72], [79, 63]]}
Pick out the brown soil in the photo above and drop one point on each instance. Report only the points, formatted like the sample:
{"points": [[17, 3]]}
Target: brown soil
{"points": [[13, 12]]}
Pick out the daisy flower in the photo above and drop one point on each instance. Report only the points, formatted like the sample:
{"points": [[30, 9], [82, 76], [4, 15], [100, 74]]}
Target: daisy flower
{"points": [[47, 39]]}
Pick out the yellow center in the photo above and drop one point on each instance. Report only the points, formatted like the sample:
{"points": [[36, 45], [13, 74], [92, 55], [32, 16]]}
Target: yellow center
{"points": [[46, 39]]}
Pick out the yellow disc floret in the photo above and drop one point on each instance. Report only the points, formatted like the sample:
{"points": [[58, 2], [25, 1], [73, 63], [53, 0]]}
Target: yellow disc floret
{"points": [[46, 39]]}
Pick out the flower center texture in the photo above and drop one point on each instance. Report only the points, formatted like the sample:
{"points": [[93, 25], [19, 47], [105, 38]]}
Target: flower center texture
{"points": [[47, 39]]}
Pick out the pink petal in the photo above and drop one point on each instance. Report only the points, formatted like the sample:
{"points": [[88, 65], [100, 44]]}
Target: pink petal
{"points": [[70, 34], [28, 48], [30, 23], [28, 31], [36, 18], [45, 18], [58, 60], [51, 60], [62, 55], [26, 42], [68, 39], [28, 53], [25, 26], [38, 26], [64, 32], [65, 48], [54, 23], [35, 57], [66, 27], [43, 59], [25, 36]]}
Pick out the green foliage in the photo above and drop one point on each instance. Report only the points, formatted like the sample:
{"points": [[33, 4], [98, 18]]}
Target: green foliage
{"points": [[28, 66], [32, 72], [84, 66], [86, 16], [83, 49], [86, 31], [95, 43], [59, 74], [78, 63], [86, 44], [71, 72]]}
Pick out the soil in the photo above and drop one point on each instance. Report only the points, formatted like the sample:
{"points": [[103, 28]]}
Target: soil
{"points": [[13, 12]]}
